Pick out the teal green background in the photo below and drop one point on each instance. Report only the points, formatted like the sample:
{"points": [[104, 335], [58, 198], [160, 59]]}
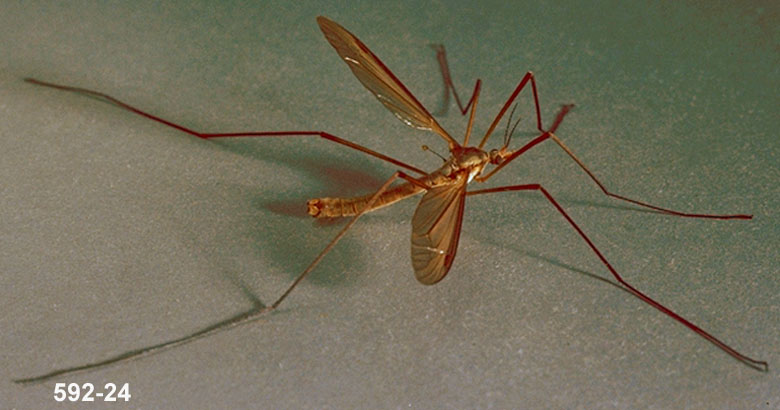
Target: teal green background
{"points": [[116, 232]]}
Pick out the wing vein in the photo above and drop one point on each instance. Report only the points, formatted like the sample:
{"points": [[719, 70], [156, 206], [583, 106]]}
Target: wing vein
{"points": [[436, 227], [378, 79]]}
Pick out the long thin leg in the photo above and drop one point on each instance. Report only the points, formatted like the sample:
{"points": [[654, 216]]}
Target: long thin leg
{"points": [[756, 364], [322, 134], [545, 135], [246, 317], [529, 76], [474, 101], [441, 57], [551, 134], [634, 201]]}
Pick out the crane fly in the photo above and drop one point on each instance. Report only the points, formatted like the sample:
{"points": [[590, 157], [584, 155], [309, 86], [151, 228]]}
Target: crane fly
{"points": [[437, 220]]}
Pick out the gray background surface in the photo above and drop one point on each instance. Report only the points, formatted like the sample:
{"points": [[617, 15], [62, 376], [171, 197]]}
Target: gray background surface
{"points": [[116, 232]]}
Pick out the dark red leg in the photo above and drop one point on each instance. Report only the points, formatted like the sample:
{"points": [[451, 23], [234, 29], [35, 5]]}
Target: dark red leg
{"points": [[558, 119], [441, 57], [321, 134], [756, 364], [636, 202], [529, 76], [551, 134]]}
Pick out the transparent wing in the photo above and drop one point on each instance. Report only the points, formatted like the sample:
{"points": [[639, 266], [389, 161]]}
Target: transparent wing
{"points": [[435, 231], [379, 80]]}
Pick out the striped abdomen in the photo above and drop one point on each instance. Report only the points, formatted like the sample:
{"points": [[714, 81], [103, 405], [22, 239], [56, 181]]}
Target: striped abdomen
{"points": [[336, 207]]}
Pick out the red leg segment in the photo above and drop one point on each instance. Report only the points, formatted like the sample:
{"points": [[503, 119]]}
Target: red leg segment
{"points": [[441, 57], [321, 134], [551, 134], [756, 364], [640, 203], [529, 76]]}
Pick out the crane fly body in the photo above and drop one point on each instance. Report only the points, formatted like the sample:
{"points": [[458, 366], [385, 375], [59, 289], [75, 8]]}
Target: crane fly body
{"points": [[437, 220]]}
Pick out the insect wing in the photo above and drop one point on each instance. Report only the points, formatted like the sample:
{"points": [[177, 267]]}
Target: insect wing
{"points": [[435, 231], [375, 76]]}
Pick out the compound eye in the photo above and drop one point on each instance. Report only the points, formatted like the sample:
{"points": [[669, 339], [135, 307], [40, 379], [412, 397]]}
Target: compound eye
{"points": [[495, 157]]}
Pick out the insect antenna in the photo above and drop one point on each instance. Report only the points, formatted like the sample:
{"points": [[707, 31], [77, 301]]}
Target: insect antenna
{"points": [[508, 133]]}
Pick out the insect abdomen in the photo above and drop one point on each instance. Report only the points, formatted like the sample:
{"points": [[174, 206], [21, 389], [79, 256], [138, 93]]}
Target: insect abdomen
{"points": [[337, 207]]}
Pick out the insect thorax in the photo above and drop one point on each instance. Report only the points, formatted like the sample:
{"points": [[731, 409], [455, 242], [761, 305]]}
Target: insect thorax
{"points": [[470, 160]]}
